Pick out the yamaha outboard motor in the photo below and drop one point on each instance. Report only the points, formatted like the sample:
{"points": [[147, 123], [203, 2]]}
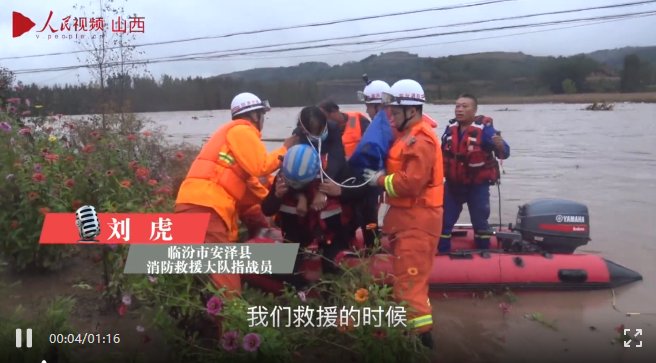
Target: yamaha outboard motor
{"points": [[554, 225]]}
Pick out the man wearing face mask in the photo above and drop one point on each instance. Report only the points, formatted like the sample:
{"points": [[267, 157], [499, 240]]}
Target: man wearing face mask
{"points": [[314, 129], [223, 179], [413, 183]]}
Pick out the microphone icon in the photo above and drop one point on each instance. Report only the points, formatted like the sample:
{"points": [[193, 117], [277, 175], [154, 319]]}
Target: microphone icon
{"points": [[87, 223]]}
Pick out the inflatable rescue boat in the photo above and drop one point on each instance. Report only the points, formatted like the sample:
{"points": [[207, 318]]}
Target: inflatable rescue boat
{"points": [[537, 253]]}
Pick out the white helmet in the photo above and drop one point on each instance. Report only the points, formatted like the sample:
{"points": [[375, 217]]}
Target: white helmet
{"points": [[246, 102], [405, 92], [373, 92]]}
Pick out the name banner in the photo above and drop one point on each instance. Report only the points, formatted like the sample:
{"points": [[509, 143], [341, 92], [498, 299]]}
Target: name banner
{"points": [[215, 258]]}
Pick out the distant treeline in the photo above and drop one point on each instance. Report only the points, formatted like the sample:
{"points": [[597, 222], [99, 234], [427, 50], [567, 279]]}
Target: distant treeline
{"points": [[485, 74]]}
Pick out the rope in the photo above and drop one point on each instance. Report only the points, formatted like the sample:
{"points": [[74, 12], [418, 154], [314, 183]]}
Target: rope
{"points": [[323, 172], [625, 313]]}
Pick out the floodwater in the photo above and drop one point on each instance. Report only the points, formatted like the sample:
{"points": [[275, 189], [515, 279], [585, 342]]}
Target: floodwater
{"points": [[604, 159]]}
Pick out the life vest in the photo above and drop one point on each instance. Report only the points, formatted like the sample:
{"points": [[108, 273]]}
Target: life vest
{"points": [[433, 192], [465, 160], [352, 133], [216, 163]]}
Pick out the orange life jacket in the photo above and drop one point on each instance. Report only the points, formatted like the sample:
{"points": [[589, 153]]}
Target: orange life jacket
{"points": [[216, 180], [465, 160], [352, 133], [433, 193], [216, 163]]}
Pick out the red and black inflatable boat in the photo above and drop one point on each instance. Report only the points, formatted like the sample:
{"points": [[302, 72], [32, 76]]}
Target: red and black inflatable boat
{"points": [[537, 254]]}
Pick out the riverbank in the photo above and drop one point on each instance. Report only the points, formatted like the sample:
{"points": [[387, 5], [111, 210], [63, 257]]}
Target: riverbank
{"points": [[646, 97]]}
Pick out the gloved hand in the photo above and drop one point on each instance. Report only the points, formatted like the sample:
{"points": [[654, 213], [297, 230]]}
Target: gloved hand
{"points": [[372, 176]]}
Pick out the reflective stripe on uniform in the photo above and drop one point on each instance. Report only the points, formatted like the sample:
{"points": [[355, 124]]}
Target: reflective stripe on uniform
{"points": [[482, 236], [226, 157], [329, 213], [420, 321], [445, 235], [389, 185]]}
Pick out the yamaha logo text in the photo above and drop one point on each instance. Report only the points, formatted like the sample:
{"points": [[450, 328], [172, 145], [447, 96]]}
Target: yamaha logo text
{"points": [[570, 219]]}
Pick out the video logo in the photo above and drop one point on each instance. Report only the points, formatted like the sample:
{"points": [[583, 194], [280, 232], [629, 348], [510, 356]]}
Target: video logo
{"points": [[21, 24]]}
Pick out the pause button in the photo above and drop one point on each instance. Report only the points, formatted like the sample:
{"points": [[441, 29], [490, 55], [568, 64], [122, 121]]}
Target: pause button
{"points": [[19, 338]]}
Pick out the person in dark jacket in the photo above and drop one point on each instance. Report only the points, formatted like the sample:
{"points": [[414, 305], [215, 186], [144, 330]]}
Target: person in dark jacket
{"points": [[302, 211]]}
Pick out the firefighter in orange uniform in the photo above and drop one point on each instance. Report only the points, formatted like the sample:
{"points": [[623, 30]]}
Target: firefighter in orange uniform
{"points": [[224, 178], [413, 183]]}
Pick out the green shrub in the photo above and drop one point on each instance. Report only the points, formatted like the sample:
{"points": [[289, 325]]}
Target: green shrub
{"points": [[56, 164]]}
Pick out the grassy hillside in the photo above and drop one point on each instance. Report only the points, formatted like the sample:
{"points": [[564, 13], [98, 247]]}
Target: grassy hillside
{"points": [[615, 57], [488, 75]]}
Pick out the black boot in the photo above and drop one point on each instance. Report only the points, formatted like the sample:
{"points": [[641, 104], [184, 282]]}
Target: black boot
{"points": [[427, 339]]}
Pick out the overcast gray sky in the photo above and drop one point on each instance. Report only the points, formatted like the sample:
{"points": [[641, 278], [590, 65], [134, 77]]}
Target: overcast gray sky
{"points": [[168, 20]]}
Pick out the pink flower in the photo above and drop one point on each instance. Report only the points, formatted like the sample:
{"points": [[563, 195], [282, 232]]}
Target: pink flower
{"points": [[14, 100], [152, 279], [251, 342], [25, 131], [214, 305], [5, 126], [302, 296], [230, 341], [127, 299], [26, 113], [38, 177]]}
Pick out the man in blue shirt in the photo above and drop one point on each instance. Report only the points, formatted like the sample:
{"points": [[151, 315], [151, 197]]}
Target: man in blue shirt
{"points": [[470, 148]]}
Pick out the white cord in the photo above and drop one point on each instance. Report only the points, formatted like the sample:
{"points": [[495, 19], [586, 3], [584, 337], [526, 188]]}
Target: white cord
{"points": [[323, 172]]}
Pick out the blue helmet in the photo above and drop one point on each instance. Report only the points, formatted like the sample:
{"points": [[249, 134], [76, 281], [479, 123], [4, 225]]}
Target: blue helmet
{"points": [[300, 165]]}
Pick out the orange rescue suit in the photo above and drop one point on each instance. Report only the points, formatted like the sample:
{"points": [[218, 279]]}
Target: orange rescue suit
{"points": [[414, 188], [224, 178]]}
